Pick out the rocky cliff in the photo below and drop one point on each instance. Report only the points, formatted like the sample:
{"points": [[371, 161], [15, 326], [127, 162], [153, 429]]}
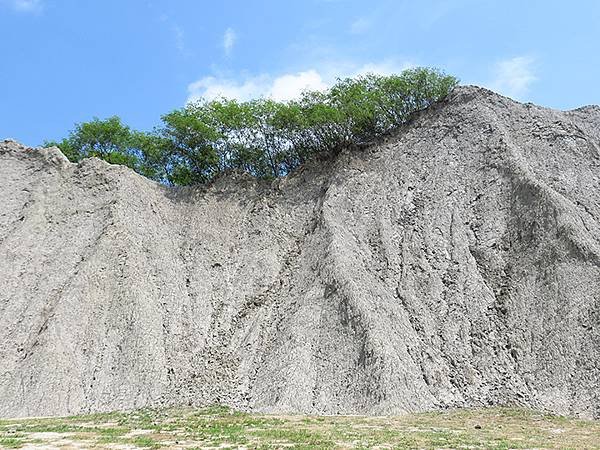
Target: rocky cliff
{"points": [[455, 264]]}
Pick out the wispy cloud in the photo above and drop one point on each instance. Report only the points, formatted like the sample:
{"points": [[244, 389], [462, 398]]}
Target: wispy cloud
{"points": [[26, 6], [286, 86], [513, 77], [179, 35], [229, 39], [361, 25], [437, 11]]}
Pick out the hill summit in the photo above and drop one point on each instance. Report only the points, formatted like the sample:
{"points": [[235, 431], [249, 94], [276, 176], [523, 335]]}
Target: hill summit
{"points": [[456, 263]]}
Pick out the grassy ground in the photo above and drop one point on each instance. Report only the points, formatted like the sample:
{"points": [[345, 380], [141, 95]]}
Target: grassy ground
{"points": [[494, 428]]}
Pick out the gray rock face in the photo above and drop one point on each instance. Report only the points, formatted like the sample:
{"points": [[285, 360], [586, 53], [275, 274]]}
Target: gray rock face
{"points": [[455, 264]]}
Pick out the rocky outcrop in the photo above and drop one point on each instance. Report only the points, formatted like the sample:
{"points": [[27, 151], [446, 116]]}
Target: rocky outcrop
{"points": [[455, 264]]}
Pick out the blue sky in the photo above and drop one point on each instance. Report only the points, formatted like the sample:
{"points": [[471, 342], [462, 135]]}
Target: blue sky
{"points": [[67, 61]]}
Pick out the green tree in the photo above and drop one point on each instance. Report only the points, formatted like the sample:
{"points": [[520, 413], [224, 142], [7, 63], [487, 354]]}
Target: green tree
{"points": [[116, 143], [100, 138], [263, 137], [190, 136]]}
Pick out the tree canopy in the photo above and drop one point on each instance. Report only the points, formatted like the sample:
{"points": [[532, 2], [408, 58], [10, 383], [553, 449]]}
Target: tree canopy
{"points": [[263, 137]]}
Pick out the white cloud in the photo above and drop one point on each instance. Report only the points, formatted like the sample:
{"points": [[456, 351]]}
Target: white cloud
{"points": [[388, 67], [284, 87], [27, 6], [513, 76], [229, 39], [212, 87], [290, 86], [287, 86]]}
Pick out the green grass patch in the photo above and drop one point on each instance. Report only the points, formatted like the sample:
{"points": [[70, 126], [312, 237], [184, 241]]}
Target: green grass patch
{"points": [[11, 442], [215, 426]]}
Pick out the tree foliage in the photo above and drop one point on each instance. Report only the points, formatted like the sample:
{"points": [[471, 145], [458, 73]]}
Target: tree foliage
{"points": [[265, 138]]}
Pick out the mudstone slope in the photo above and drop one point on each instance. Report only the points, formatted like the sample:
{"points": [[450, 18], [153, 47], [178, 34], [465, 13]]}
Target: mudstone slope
{"points": [[456, 263]]}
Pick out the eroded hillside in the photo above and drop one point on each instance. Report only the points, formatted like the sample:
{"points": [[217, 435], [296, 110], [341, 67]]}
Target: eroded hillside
{"points": [[455, 264]]}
